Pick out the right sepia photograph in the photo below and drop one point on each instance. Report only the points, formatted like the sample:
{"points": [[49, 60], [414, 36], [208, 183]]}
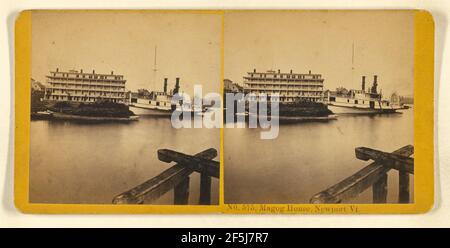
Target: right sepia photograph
{"points": [[319, 107]]}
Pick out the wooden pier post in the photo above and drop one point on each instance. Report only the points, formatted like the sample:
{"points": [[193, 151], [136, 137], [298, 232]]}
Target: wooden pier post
{"points": [[403, 186], [392, 160], [176, 178], [181, 192], [201, 165], [205, 189], [373, 175], [379, 189]]}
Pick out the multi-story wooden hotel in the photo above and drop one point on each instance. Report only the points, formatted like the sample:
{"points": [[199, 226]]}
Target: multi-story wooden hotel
{"points": [[290, 86], [79, 86]]}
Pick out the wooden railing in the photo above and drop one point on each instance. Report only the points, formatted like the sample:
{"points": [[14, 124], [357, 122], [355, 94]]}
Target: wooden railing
{"points": [[374, 175], [176, 178]]}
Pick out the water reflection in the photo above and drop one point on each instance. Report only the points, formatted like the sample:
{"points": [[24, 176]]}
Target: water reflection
{"points": [[91, 163], [306, 158]]}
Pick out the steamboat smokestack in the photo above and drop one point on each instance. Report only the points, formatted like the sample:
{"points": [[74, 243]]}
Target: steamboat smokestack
{"points": [[375, 84], [363, 83], [177, 86], [165, 85]]}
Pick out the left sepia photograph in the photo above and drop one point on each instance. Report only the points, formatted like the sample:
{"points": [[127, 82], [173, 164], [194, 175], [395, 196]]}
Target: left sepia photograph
{"points": [[105, 102]]}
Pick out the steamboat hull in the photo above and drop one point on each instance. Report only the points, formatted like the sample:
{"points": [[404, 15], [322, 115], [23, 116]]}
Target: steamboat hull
{"points": [[155, 112], [146, 111], [352, 110]]}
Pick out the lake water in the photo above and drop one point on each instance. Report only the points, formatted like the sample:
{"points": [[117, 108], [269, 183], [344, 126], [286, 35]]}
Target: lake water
{"points": [[91, 163], [307, 158]]}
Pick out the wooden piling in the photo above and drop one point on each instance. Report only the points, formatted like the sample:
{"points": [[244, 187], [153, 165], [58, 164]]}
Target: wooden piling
{"points": [[157, 186], [352, 186], [403, 187], [201, 165], [395, 161], [181, 192], [205, 189], [379, 189]]}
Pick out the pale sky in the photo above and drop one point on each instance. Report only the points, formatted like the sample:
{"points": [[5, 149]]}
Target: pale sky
{"points": [[188, 46], [321, 41]]}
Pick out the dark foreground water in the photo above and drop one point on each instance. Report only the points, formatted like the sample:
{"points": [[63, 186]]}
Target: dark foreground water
{"points": [[307, 158], [91, 163]]}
